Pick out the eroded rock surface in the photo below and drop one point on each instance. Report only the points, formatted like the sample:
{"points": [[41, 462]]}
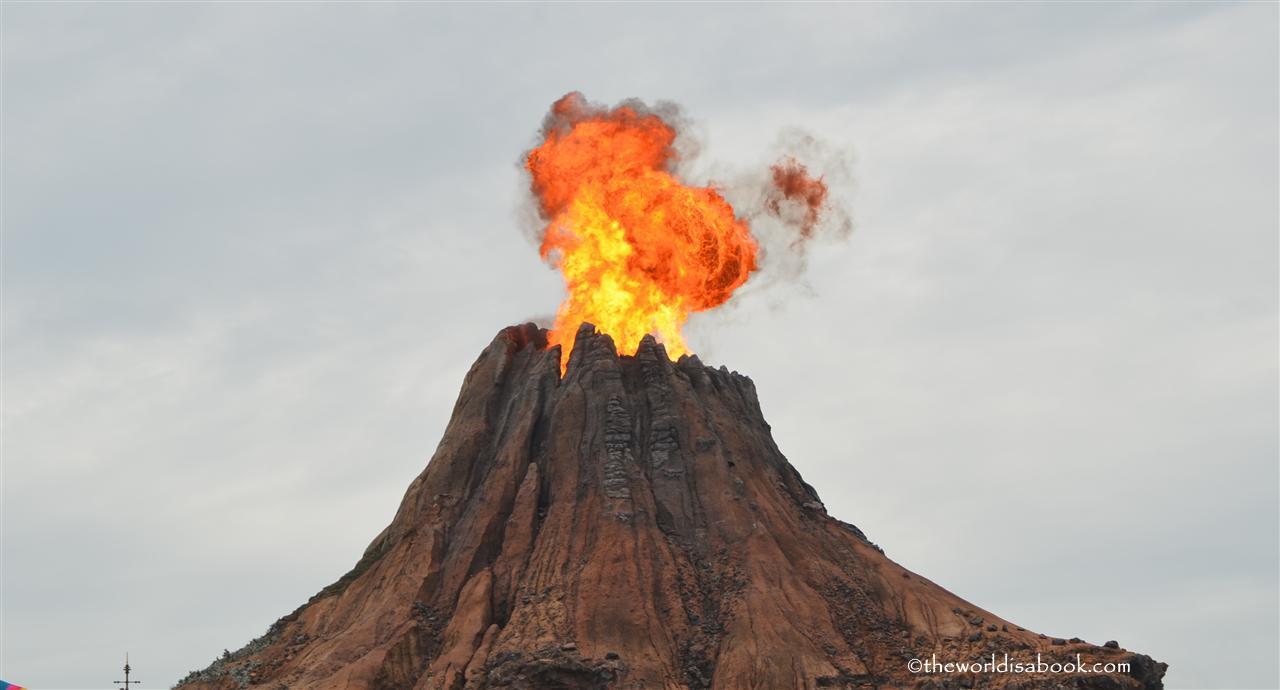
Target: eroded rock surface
{"points": [[632, 525]]}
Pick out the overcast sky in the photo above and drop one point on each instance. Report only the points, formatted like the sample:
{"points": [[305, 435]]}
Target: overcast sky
{"points": [[251, 250]]}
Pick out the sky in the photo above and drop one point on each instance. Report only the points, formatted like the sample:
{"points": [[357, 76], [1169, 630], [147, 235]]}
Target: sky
{"points": [[249, 252]]}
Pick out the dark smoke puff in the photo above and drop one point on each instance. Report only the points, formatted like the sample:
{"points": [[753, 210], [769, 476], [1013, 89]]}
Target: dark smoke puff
{"points": [[793, 183]]}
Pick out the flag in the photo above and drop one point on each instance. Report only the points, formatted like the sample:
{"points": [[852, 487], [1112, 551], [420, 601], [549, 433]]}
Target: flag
{"points": [[10, 686]]}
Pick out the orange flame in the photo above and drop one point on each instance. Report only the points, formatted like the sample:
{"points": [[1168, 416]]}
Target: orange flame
{"points": [[793, 181], [639, 249]]}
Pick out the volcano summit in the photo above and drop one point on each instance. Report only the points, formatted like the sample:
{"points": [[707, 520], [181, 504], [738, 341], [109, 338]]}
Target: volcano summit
{"points": [[632, 525]]}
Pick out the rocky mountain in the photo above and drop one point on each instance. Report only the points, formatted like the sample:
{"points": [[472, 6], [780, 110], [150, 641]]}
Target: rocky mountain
{"points": [[630, 525]]}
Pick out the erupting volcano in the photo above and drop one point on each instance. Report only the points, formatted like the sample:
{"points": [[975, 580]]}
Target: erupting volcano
{"points": [[598, 515]]}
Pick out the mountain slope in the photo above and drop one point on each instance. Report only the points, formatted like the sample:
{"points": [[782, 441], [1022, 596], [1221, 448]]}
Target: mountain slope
{"points": [[632, 525]]}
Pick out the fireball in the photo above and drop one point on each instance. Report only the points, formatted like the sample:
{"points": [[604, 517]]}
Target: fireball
{"points": [[639, 249]]}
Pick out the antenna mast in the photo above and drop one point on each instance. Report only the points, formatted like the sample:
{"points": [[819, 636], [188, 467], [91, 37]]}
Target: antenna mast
{"points": [[126, 683]]}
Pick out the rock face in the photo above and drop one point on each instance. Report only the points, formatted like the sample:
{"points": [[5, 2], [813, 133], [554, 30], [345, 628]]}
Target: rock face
{"points": [[632, 525]]}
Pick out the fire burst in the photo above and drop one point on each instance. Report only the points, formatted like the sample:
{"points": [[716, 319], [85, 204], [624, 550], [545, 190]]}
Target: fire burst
{"points": [[639, 249]]}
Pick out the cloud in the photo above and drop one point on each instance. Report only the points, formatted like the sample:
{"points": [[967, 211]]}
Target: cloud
{"points": [[245, 271]]}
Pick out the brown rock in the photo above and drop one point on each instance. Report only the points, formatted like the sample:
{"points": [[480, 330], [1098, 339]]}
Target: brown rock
{"points": [[630, 525]]}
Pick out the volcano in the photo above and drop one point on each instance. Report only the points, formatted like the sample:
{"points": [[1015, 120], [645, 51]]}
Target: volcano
{"points": [[632, 524]]}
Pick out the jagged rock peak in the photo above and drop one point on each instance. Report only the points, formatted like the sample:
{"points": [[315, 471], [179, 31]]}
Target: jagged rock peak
{"points": [[591, 345]]}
